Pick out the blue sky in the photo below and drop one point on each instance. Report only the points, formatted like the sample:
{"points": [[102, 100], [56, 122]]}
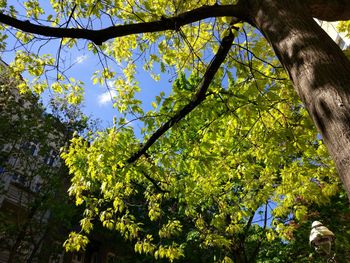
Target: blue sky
{"points": [[98, 99], [98, 103]]}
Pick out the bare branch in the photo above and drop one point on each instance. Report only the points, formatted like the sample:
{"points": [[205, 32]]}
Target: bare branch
{"points": [[102, 35]]}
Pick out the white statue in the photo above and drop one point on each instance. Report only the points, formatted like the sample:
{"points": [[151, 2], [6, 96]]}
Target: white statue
{"points": [[321, 238]]}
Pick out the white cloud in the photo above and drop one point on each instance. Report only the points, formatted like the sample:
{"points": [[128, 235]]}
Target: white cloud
{"points": [[81, 59], [106, 97], [110, 83]]}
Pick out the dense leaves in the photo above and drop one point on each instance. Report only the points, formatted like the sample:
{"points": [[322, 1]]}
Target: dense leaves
{"points": [[214, 173], [241, 170]]}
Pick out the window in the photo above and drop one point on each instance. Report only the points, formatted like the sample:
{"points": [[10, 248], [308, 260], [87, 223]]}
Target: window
{"points": [[37, 187], [51, 158], [20, 179], [31, 148], [340, 42]]}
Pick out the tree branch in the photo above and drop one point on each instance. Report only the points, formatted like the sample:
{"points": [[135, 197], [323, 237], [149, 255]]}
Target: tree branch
{"points": [[102, 35], [218, 59], [327, 10], [154, 182], [257, 248]]}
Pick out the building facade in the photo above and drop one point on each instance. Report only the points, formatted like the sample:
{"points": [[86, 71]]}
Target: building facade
{"points": [[36, 214], [29, 146]]}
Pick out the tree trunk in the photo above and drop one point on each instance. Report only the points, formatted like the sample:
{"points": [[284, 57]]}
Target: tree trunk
{"points": [[35, 250], [317, 67], [23, 231], [20, 237]]}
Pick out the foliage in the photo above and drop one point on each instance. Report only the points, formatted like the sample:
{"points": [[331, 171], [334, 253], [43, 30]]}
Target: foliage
{"points": [[30, 140], [334, 215], [214, 172], [247, 152]]}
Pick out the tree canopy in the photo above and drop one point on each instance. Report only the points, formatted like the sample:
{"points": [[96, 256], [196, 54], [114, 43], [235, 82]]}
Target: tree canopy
{"points": [[230, 158]]}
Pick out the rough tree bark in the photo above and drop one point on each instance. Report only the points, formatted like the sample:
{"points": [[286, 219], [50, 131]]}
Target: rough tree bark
{"points": [[317, 67]]}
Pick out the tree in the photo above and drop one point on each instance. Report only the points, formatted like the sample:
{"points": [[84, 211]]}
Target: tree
{"points": [[36, 207], [318, 75], [234, 108]]}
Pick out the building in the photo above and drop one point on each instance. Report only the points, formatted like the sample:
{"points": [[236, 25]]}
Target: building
{"points": [[339, 37], [36, 214], [29, 146]]}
